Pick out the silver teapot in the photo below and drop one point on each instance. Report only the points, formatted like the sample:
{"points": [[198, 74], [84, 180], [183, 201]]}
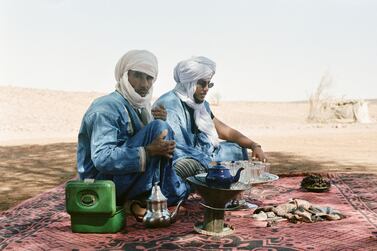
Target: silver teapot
{"points": [[157, 214]]}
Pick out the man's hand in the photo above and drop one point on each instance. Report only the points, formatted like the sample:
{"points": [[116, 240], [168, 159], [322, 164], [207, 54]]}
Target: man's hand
{"points": [[161, 147], [259, 154], [159, 112]]}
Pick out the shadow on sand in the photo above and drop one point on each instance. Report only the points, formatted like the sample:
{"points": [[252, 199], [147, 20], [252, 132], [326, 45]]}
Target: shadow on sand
{"points": [[28, 170], [290, 164]]}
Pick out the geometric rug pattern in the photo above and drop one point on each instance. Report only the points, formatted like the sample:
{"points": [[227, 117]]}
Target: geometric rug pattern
{"points": [[41, 223]]}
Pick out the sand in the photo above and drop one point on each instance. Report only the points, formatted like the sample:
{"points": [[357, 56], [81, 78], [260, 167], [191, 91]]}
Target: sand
{"points": [[38, 132]]}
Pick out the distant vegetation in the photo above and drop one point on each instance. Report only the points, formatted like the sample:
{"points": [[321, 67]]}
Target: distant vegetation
{"points": [[324, 109]]}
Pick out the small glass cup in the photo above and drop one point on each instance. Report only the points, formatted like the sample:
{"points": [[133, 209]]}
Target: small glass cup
{"points": [[266, 169], [256, 171], [246, 177]]}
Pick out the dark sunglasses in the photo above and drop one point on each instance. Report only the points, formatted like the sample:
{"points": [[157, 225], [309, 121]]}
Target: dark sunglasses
{"points": [[202, 83]]}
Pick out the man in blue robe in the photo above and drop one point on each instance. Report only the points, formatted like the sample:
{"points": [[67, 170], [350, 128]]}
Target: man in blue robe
{"points": [[197, 130], [119, 139]]}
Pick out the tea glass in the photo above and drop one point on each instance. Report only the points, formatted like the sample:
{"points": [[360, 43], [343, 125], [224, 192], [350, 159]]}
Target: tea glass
{"points": [[250, 174], [257, 170], [261, 175]]}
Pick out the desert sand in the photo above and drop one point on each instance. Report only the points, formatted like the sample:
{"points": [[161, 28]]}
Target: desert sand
{"points": [[38, 132]]}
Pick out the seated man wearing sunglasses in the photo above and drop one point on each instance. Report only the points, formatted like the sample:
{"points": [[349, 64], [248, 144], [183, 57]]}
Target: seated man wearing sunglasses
{"points": [[197, 130]]}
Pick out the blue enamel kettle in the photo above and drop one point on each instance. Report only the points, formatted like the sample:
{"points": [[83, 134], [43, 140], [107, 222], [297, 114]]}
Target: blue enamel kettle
{"points": [[220, 177]]}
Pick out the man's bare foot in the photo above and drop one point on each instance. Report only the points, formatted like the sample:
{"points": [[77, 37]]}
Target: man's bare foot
{"points": [[136, 209]]}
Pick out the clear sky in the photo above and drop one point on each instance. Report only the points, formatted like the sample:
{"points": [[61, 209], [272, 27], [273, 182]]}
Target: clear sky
{"points": [[267, 50]]}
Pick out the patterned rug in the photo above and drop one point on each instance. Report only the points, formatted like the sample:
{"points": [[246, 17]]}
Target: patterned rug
{"points": [[41, 223]]}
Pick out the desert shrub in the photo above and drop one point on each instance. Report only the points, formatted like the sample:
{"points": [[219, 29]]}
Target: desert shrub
{"points": [[324, 109], [319, 102]]}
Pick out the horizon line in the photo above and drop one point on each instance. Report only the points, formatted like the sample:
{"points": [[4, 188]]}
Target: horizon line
{"points": [[154, 98]]}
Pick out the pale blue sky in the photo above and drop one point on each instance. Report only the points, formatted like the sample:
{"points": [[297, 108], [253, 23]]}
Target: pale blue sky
{"points": [[270, 50]]}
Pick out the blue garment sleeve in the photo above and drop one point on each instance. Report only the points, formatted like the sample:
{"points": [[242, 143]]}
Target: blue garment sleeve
{"points": [[110, 154], [184, 145]]}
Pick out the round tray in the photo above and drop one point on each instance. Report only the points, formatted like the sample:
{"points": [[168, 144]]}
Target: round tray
{"points": [[234, 186], [266, 177]]}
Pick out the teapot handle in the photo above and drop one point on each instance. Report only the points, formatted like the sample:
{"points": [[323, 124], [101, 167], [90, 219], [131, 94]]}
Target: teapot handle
{"points": [[175, 212], [137, 217]]}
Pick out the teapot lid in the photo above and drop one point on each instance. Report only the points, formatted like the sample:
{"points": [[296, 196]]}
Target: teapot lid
{"points": [[156, 194], [218, 165]]}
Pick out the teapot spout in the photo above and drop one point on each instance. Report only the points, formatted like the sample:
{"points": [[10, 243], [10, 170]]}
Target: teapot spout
{"points": [[174, 214], [237, 176]]}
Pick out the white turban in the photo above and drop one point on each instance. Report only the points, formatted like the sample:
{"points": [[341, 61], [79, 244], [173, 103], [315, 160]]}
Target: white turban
{"points": [[136, 60], [186, 74]]}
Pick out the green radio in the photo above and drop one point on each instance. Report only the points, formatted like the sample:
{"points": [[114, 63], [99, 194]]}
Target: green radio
{"points": [[92, 206]]}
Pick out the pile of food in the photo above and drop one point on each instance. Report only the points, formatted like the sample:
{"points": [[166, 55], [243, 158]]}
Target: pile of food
{"points": [[315, 183]]}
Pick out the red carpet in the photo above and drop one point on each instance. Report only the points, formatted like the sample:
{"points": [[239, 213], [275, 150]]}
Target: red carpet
{"points": [[41, 223]]}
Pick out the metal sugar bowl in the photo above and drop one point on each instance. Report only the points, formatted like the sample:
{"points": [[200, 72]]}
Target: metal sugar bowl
{"points": [[157, 213]]}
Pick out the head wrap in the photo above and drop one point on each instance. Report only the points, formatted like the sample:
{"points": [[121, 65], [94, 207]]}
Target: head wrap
{"points": [[186, 74], [136, 60]]}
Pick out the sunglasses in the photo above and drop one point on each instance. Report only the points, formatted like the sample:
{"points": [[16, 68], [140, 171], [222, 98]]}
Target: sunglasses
{"points": [[202, 83]]}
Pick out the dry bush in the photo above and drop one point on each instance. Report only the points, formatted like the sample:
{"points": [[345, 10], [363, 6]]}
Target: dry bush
{"points": [[319, 102], [324, 109]]}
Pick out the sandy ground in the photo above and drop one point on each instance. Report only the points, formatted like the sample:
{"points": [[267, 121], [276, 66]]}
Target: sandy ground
{"points": [[38, 131]]}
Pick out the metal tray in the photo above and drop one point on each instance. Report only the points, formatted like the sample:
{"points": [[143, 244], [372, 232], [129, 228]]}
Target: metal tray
{"points": [[265, 178]]}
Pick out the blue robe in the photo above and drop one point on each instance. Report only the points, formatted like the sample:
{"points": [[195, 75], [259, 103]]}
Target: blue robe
{"points": [[109, 148], [192, 143]]}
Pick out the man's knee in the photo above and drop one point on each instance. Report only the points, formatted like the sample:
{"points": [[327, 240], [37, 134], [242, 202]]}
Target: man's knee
{"points": [[159, 125], [188, 167]]}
